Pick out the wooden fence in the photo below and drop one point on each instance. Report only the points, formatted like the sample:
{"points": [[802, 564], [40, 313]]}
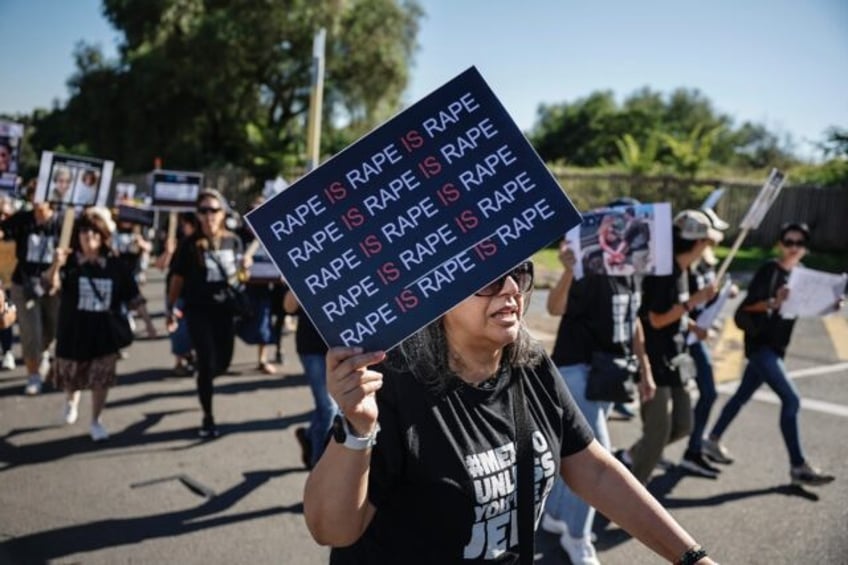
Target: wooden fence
{"points": [[825, 210]]}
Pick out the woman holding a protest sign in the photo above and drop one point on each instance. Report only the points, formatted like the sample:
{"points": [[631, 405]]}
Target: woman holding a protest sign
{"points": [[599, 321], [36, 233], [96, 288], [203, 272], [666, 303], [766, 340], [421, 467]]}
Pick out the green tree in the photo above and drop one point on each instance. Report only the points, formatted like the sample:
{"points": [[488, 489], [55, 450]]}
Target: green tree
{"points": [[213, 82], [638, 160], [690, 154]]}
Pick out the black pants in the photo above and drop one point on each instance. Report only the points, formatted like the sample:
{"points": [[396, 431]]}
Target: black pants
{"points": [[212, 334]]}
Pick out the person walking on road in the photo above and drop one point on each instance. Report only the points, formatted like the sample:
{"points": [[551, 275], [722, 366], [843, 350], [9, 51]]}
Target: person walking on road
{"points": [[701, 274], [766, 341], [94, 282], [599, 314], [433, 449], [36, 234], [666, 303], [205, 263]]}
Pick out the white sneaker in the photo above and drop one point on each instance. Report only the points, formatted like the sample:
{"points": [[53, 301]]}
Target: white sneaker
{"points": [[33, 385], [98, 432], [70, 412], [552, 525], [580, 550], [8, 361]]}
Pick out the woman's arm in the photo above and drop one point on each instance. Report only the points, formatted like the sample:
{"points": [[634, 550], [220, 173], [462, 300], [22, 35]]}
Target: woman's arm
{"points": [[335, 499], [647, 385], [51, 276], [290, 304], [558, 296], [597, 477]]}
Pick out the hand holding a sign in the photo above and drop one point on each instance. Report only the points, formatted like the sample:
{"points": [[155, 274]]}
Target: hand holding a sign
{"points": [[352, 385]]}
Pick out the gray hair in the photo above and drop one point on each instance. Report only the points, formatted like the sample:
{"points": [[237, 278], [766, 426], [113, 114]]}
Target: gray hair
{"points": [[426, 355]]}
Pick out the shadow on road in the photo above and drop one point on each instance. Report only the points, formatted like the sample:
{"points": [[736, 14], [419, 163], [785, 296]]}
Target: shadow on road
{"points": [[134, 436], [41, 547]]}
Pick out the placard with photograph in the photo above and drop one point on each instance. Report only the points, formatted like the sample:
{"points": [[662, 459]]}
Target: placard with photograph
{"points": [[124, 192], [413, 218], [72, 180], [175, 190], [625, 240], [11, 134]]}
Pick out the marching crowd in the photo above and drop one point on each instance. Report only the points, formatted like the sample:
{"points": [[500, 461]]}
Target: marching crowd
{"points": [[418, 426]]}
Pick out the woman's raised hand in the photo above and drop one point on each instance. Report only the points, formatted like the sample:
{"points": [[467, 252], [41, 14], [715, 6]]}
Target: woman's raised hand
{"points": [[353, 385]]}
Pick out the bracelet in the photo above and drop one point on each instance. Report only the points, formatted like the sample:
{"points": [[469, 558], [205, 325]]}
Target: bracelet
{"points": [[692, 555], [686, 306]]}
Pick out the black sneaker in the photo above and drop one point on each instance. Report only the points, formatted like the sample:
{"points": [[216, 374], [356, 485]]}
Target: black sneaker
{"points": [[208, 430], [808, 475], [305, 447], [695, 464], [715, 451]]}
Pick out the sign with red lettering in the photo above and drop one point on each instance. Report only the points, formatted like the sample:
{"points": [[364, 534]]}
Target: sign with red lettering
{"points": [[413, 218]]}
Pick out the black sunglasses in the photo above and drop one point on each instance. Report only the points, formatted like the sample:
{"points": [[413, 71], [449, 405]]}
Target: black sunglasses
{"points": [[208, 210], [522, 275], [793, 243]]}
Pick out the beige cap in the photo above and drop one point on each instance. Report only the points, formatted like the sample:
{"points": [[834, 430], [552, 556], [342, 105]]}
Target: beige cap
{"points": [[694, 224]]}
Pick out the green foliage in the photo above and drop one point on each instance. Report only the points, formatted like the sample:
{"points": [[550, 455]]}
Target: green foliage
{"points": [[638, 160], [591, 131], [212, 82], [830, 173]]}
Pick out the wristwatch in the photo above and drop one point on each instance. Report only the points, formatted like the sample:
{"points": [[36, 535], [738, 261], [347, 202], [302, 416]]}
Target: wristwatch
{"points": [[344, 435]]}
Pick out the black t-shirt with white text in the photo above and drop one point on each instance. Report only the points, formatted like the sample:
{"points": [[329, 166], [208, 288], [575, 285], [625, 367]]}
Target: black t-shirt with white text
{"points": [[659, 295], [443, 471], [83, 329], [197, 262], [777, 330], [600, 316], [34, 243]]}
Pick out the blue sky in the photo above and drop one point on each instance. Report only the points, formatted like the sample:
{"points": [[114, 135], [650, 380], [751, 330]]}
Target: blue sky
{"points": [[780, 62]]}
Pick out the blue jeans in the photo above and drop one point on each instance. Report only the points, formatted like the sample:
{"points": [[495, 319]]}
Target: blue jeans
{"points": [[766, 366], [562, 503], [315, 368], [706, 387], [180, 340]]}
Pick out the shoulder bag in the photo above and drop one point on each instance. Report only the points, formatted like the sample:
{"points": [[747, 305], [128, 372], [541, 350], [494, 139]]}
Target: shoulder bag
{"points": [[753, 323], [237, 299], [525, 497]]}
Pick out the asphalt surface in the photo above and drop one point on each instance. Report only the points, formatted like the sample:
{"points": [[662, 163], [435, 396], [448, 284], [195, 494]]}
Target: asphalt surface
{"points": [[155, 493]]}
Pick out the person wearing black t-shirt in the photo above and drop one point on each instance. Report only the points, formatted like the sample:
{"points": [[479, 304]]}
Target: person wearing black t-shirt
{"points": [[441, 481], [94, 283], [765, 351], [312, 352], [666, 302], [599, 313], [204, 265], [36, 234]]}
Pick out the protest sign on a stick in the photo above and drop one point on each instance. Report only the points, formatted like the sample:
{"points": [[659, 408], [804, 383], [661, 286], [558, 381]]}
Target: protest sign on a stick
{"points": [[624, 240], [754, 217], [711, 311], [70, 180], [174, 190], [410, 220], [135, 215], [11, 134]]}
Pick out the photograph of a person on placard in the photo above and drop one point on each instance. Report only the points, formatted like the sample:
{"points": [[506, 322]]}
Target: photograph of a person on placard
{"points": [[61, 179], [85, 191], [614, 246], [7, 157]]}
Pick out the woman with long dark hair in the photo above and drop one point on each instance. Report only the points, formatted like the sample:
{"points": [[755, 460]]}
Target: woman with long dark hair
{"points": [[205, 264]]}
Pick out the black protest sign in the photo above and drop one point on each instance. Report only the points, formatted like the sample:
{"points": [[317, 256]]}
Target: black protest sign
{"points": [[175, 190], [136, 215], [413, 218]]}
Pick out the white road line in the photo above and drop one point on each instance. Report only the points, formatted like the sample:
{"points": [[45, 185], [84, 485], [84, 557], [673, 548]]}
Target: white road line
{"points": [[806, 403]]}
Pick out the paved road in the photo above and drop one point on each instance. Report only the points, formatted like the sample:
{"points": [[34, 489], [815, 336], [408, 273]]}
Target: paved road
{"points": [[155, 494]]}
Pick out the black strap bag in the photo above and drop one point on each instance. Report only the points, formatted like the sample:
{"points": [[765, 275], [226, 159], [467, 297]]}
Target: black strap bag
{"points": [[236, 297], [611, 377], [119, 325], [753, 323]]}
